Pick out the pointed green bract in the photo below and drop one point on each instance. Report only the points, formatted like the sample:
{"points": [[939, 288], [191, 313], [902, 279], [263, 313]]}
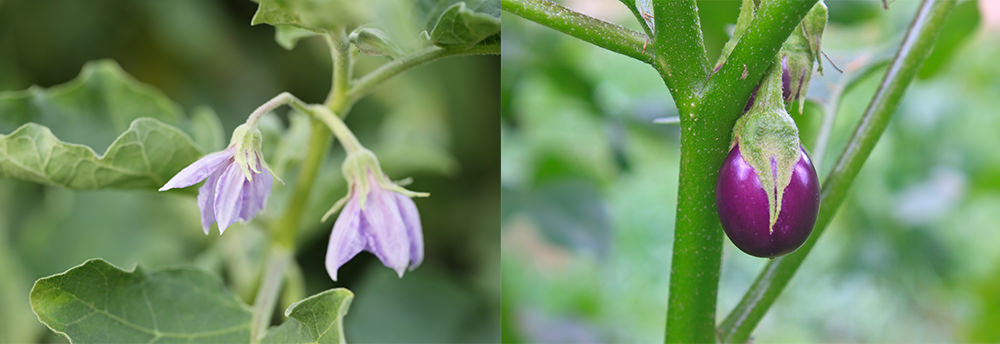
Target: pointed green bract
{"points": [[769, 141], [53, 136], [97, 302], [316, 319]]}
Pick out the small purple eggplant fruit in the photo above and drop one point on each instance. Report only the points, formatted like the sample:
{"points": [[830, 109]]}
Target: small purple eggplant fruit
{"points": [[767, 193], [744, 207]]}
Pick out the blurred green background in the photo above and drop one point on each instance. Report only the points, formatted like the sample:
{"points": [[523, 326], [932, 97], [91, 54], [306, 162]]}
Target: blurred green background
{"points": [[436, 123], [589, 188]]}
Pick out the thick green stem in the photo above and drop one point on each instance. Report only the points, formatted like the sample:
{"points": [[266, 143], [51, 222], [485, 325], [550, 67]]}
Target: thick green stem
{"points": [[606, 35], [286, 229], [705, 134], [777, 273], [680, 50]]}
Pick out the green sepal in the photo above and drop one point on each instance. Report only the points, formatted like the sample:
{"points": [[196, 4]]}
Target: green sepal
{"points": [[769, 141], [800, 51], [246, 141]]}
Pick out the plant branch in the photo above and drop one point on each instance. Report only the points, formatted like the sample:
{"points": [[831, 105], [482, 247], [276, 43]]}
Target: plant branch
{"points": [[341, 59], [915, 47], [705, 136], [285, 230], [606, 35], [680, 50], [267, 292], [374, 78]]}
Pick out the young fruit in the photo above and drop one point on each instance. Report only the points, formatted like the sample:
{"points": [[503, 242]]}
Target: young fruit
{"points": [[767, 193], [743, 207]]}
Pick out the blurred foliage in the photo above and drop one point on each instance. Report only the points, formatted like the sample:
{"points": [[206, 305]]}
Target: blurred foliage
{"points": [[206, 59], [910, 257]]}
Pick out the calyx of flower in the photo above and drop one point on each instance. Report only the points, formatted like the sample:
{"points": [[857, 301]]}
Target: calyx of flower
{"points": [[769, 140], [356, 167], [246, 145]]}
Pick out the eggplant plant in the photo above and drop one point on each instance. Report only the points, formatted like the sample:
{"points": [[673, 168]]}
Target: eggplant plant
{"points": [[157, 147], [745, 175]]}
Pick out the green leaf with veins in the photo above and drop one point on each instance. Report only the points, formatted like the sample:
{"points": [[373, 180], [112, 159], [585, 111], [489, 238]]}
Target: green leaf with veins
{"points": [[319, 16], [144, 157], [54, 134], [97, 302], [315, 319], [463, 23]]}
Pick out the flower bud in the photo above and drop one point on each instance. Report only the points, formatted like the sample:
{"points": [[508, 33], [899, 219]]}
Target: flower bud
{"points": [[372, 41], [799, 52]]}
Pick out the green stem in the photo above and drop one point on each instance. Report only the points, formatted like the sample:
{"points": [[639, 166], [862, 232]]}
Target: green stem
{"points": [[339, 129], [278, 259], [278, 100], [340, 52], [374, 78], [915, 47], [606, 35], [286, 228], [680, 50], [705, 136], [826, 127]]}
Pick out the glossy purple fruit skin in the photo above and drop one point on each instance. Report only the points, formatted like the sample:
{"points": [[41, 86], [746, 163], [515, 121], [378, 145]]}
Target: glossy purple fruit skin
{"points": [[743, 207]]}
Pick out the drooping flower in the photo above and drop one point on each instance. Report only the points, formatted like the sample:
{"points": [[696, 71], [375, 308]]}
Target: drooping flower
{"points": [[379, 217], [237, 181]]}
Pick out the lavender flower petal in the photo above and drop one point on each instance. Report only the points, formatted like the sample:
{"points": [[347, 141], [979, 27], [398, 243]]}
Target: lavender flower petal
{"points": [[206, 201], [411, 219], [346, 240], [255, 196], [228, 203], [198, 170], [383, 223]]}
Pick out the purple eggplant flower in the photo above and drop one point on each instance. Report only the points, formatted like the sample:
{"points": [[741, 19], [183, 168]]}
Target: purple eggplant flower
{"points": [[237, 182], [379, 217]]}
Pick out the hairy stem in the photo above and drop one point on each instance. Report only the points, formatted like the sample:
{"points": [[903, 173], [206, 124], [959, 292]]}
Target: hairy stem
{"points": [[915, 47], [705, 133], [606, 35], [374, 78], [285, 230], [278, 100], [341, 57]]}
